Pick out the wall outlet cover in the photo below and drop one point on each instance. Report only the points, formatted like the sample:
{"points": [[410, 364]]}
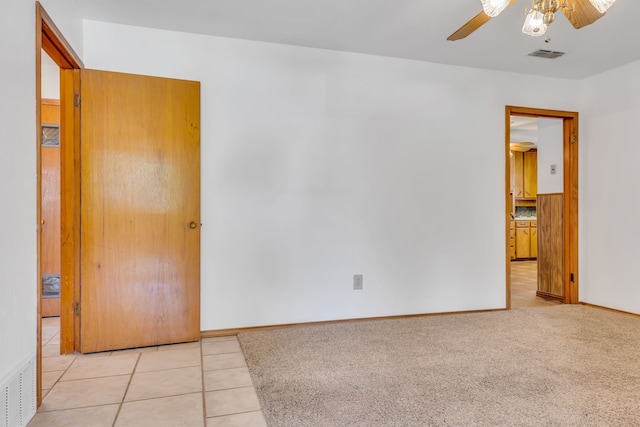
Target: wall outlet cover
{"points": [[357, 282]]}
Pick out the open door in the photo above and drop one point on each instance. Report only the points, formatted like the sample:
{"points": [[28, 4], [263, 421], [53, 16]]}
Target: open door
{"points": [[140, 211], [50, 208]]}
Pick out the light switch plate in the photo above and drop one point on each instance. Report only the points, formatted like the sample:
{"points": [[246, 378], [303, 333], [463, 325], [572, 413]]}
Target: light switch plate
{"points": [[357, 282]]}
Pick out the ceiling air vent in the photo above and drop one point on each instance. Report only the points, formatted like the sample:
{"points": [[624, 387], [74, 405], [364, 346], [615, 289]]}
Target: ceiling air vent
{"points": [[549, 54]]}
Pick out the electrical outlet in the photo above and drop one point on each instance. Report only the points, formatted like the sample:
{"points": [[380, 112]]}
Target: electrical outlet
{"points": [[357, 282], [554, 169]]}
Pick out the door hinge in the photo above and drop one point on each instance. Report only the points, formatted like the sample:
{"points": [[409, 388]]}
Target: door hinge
{"points": [[76, 100], [572, 277], [76, 309], [574, 138]]}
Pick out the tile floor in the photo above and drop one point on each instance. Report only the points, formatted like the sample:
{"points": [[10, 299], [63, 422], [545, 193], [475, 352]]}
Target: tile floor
{"points": [[524, 283], [205, 384]]}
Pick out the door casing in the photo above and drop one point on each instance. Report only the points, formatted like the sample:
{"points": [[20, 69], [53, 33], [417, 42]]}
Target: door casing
{"points": [[570, 163], [50, 39]]}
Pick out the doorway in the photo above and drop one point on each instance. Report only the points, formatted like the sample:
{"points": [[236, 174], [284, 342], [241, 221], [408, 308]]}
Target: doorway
{"points": [[50, 41], [536, 176], [50, 188], [541, 206]]}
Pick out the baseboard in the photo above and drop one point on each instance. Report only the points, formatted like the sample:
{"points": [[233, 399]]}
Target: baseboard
{"points": [[234, 331], [610, 309], [18, 395]]}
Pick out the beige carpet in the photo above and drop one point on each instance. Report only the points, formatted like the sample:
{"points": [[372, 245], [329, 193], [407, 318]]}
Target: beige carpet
{"points": [[549, 366]]}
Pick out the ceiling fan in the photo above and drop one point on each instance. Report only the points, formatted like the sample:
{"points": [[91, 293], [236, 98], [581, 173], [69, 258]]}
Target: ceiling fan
{"points": [[522, 146], [541, 14]]}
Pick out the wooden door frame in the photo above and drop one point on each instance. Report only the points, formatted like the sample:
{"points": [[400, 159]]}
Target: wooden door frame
{"points": [[50, 39], [570, 209]]}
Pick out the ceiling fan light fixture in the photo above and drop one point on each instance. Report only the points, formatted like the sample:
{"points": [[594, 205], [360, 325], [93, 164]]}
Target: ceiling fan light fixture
{"points": [[602, 5], [534, 24], [493, 8]]}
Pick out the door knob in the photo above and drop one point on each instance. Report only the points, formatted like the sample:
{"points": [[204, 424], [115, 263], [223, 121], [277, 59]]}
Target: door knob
{"points": [[193, 225]]}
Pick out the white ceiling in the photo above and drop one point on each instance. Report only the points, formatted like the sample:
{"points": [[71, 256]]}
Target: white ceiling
{"points": [[411, 29], [524, 129]]}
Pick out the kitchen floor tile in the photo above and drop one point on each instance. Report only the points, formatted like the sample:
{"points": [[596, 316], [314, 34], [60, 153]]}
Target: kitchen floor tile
{"points": [[179, 346], [84, 393], [185, 410], [57, 363], [227, 378], [105, 366], [171, 382], [221, 347], [50, 351], [97, 416], [248, 419], [170, 359], [50, 378], [233, 401], [218, 339], [135, 350], [223, 361]]}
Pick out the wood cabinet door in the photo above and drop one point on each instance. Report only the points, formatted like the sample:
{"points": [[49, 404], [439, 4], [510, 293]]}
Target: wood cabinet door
{"points": [[530, 174], [533, 236], [518, 173], [140, 211], [523, 245]]}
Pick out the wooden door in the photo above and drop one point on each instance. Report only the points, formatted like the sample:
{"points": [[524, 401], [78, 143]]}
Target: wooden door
{"points": [[140, 211], [550, 262], [50, 208]]}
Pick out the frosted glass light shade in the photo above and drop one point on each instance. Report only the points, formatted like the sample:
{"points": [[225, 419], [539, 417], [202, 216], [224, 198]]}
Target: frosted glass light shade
{"points": [[534, 24], [493, 8], [602, 5]]}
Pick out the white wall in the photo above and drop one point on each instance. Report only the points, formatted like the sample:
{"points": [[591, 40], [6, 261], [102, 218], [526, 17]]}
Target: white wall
{"points": [[17, 186], [50, 78], [18, 228], [317, 165], [610, 149], [550, 152]]}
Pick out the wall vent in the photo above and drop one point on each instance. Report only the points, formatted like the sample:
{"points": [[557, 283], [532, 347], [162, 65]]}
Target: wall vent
{"points": [[549, 54], [18, 395]]}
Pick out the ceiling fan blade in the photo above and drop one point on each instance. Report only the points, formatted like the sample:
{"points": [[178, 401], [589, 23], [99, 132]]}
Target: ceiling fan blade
{"points": [[474, 23], [583, 14]]}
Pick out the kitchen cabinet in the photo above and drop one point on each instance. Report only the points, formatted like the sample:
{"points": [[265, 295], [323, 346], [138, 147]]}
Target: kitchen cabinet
{"points": [[525, 174], [530, 174], [526, 239], [512, 239], [533, 244]]}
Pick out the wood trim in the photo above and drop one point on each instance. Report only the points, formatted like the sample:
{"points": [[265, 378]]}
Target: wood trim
{"points": [[570, 207], [38, 52], [53, 42], [614, 310], [509, 201], [69, 210], [46, 101], [50, 39], [571, 211], [234, 331]]}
